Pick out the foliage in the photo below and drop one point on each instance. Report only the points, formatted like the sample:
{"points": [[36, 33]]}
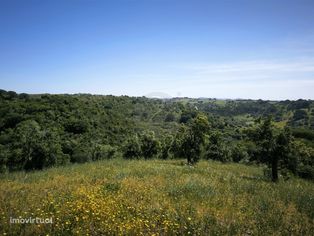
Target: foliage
{"points": [[40, 131], [34, 148], [76, 126], [274, 148], [132, 149], [149, 145], [303, 133], [101, 152], [191, 138], [166, 147], [239, 153], [216, 149]]}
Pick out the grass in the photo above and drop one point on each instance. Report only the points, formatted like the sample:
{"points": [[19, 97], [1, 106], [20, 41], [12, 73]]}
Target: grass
{"points": [[156, 197]]}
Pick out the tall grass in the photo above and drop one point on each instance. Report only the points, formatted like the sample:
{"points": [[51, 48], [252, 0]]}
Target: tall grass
{"points": [[156, 198]]}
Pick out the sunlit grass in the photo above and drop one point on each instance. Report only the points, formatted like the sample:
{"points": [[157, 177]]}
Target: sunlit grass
{"points": [[156, 197]]}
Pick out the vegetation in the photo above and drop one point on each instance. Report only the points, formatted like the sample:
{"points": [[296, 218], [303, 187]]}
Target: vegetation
{"points": [[138, 181], [40, 131], [156, 197]]}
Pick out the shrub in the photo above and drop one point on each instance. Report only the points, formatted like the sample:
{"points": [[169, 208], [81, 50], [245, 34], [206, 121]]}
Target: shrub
{"points": [[303, 133], [239, 153], [306, 171], [132, 148], [81, 155], [170, 117], [35, 148], [76, 126], [101, 152], [216, 149], [150, 146], [166, 147]]}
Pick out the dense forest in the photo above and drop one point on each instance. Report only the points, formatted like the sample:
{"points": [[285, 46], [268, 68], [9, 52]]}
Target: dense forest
{"points": [[44, 130]]}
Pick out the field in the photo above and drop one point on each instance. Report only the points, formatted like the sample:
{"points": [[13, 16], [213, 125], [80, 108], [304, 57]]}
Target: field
{"points": [[156, 197]]}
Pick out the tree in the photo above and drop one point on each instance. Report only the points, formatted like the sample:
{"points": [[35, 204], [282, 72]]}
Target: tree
{"points": [[27, 139], [300, 115], [150, 146], [267, 144], [132, 148], [301, 161], [4, 156], [239, 153], [273, 148], [100, 152], [191, 138], [170, 117], [281, 151], [216, 149], [76, 126], [81, 153], [166, 147], [11, 95], [187, 115], [11, 120], [35, 148]]}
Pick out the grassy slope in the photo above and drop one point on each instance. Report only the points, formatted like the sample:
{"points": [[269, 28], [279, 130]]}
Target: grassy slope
{"points": [[156, 196]]}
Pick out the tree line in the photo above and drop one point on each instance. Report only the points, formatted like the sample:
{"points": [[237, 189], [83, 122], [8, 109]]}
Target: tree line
{"points": [[40, 131]]}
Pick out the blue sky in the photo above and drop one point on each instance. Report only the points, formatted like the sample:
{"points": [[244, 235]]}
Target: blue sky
{"points": [[224, 49]]}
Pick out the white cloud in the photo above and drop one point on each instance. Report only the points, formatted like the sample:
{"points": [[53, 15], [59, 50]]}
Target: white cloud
{"points": [[254, 66], [280, 79]]}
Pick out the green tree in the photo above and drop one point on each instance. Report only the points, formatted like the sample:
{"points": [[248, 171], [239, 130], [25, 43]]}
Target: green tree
{"points": [[216, 149], [132, 148], [4, 156], [150, 146], [166, 147], [101, 151], [35, 148], [239, 153], [301, 161], [76, 126], [265, 140], [27, 139], [170, 117], [273, 148], [281, 152], [190, 139]]}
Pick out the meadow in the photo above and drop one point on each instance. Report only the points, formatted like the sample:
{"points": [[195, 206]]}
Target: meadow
{"points": [[156, 197]]}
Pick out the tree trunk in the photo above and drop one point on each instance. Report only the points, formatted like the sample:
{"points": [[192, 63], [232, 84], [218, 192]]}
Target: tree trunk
{"points": [[274, 169]]}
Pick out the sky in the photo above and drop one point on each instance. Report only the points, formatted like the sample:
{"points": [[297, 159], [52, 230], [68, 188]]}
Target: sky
{"points": [[257, 49]]}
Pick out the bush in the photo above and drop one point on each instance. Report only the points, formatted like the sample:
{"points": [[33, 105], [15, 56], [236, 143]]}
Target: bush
{"points": [[81, 155], [132, 148], [76, 126], [34, 147], [239, 154], [301, 160], [4, 154], [170, 117], [150, 146], [219, 153], [306, 171], [216, 149], [303, 133], [102, 152], [167, 144]]}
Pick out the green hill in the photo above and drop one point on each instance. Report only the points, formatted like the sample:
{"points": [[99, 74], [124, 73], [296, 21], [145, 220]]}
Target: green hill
{"points": [[44, 130]]}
